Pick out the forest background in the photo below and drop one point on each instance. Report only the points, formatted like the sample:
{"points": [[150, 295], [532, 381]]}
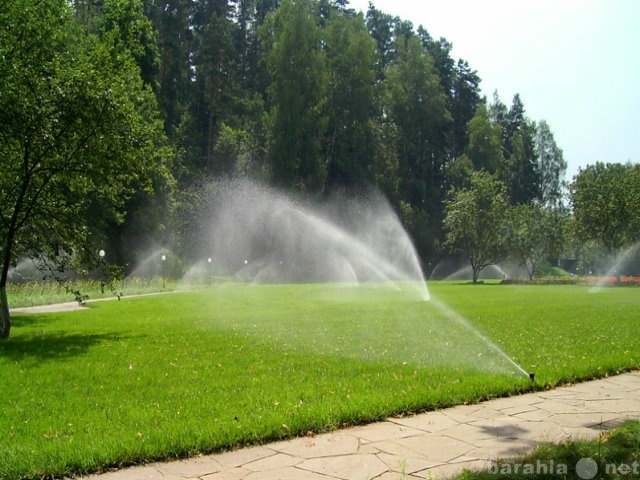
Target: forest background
{"points": [[309, 96]]}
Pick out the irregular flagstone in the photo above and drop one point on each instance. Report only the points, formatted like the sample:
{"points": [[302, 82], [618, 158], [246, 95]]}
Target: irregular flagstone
{"points": [[461, 413], [272, 462], [512, 429], [449, 470], [368, 448], [536, 415], [286, 473], [490, 451], [555, 406], [395, 449], [148, 472], [434, 445], [585, 420], [517, 409], [348, 467], [325, 445], [613, 405], [596, 388], [508, 402], [395, 476], [195, 467], [429, 422], [243, 456], [469, 433], [383, 431], [486, 412], [580, 433], [407, 464], [229, 474], [628, 381]]}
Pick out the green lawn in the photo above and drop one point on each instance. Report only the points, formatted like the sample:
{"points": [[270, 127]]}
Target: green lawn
{"points": [[172, 375]]}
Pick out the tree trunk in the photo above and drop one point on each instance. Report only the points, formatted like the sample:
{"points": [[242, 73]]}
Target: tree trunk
{"points": [[476, 274], [5, 317]]}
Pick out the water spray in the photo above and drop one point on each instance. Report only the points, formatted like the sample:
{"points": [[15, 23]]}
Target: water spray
{"points": [[463, 321]]}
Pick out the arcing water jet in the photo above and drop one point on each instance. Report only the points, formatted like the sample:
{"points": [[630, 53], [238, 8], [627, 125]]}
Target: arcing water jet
{"points": [[260, 235], [264, 236]]}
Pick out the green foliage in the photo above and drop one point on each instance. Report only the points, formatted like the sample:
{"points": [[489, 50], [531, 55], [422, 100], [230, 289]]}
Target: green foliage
{"points": [[551, 166], [418, 111], [133, 31], [292, 43], [485, 146], [418, 114], [535, 234], [349, 141], [80, 133], [521, 169], [606, 204], [475, 221], [215, 87]]}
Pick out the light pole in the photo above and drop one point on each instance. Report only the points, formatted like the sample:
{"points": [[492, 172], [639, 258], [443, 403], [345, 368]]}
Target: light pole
{"points": [[164, 259], [101, 254], [209, 270]]}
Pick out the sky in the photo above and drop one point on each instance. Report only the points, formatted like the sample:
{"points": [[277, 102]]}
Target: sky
{"points": [[575, 64]]}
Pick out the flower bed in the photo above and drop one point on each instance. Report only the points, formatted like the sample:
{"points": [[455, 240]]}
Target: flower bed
{"points": [[600, 281]]}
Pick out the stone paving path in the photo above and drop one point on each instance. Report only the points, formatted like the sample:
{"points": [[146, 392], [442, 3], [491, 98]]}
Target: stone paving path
{"points": [[433, 445]]}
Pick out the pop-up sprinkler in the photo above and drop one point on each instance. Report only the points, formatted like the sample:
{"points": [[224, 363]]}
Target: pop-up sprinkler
{"points": [[532, 377]]}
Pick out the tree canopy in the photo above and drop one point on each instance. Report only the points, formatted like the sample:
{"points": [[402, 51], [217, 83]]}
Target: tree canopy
{"points": [[606, 204], [80, 134], [476, 221]]}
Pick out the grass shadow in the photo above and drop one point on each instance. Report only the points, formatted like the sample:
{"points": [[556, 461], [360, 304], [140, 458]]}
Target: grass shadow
{"points": [[27, 320], [51, 345]]}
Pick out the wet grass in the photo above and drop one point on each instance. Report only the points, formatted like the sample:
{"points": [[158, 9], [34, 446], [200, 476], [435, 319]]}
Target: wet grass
{"points": [[168, 376]]}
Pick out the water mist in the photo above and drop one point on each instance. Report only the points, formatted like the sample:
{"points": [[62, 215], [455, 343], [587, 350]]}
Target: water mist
{"points": [[261, 235], [257, 234]]}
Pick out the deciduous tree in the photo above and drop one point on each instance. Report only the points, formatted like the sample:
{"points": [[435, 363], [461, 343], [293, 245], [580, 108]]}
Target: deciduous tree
{"points": [[606, 204], [78, 129], [475, 221], [535, 234]]}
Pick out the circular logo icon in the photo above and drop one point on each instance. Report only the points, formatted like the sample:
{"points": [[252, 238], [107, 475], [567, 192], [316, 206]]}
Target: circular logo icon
{"points": [[586, 468]]}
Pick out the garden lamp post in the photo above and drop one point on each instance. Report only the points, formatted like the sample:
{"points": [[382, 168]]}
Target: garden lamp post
{"points": [[164, 259], [209, 270], [101, 254]]}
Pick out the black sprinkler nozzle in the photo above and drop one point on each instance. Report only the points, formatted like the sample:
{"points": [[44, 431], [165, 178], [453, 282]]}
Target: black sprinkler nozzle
{"points": [[532, 377]]}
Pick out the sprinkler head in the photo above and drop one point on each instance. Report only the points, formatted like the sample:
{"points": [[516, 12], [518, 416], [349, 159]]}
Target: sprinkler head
{"points": [[532, 377]]}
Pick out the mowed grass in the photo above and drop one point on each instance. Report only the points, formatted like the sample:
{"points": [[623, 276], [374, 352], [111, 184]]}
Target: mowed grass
{"points": [[173, 375]]}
